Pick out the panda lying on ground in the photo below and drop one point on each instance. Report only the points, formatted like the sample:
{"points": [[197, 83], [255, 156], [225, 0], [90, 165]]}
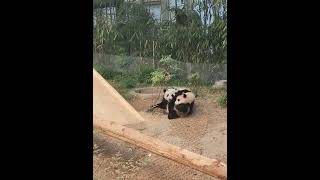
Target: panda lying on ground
{"points": [[168, 95], [181, 105]]}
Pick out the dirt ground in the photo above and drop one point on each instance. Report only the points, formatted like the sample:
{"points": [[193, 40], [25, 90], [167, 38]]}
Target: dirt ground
{"points": [[205, 133]]}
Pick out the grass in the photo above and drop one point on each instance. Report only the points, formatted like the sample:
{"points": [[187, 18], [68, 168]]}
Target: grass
{"points": [[222, 99], [124, 82], [124, 92]]}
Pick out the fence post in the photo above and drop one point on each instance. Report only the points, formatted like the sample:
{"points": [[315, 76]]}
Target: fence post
{"points": [[153, 53]]}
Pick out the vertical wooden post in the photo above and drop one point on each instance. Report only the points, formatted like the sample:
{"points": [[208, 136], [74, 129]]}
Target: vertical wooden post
{"points": [[153, 54], [140, 52]]}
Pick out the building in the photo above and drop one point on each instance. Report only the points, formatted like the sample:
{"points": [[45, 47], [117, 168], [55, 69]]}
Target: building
{"points": [[158, 8]]}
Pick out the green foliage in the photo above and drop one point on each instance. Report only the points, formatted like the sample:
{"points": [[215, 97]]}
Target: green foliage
{"points": [[125, 34], [177, 82], [158, 77], [143, 75], [126, 81], [188, 38], [124, 78], [194, 79], [171, 66], [194, 82], [222, 99], [123, 62], [106, 73]]}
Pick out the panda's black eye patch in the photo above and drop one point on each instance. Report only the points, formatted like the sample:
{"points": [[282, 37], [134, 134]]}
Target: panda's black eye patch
{"points": [[167, 95], [178, 99], [172, 95]]}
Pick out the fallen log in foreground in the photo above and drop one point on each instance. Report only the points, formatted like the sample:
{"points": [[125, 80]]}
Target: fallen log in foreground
{"points": [[206, 165]]}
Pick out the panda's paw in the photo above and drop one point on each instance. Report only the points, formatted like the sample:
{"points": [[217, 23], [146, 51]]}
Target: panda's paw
{"points": [[172, 116]]}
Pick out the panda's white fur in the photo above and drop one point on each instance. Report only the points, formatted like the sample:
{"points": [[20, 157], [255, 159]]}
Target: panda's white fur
{"points": [[186, 100], [169, 94]]}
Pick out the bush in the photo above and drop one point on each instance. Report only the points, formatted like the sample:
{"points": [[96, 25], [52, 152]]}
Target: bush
{"points": [[178, 82], [106, 73], [143, 75], [171, 66], [158, 77], [126, 81], [222, 100], [125, 93]]}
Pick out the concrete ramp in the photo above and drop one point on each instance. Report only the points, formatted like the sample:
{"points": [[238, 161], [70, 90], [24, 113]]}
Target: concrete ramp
{"points": [[109, 105]]}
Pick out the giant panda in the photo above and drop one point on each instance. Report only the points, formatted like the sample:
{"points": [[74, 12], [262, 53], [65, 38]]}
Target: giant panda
{"points": [[181, 105], [168, 95]]}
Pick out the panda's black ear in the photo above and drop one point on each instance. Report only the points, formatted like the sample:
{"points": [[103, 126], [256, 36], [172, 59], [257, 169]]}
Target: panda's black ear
{"points": [[184, 95], [164, 90]]}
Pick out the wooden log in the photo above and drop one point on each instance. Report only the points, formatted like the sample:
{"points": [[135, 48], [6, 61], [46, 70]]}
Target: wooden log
{"points": [[211, 167]]}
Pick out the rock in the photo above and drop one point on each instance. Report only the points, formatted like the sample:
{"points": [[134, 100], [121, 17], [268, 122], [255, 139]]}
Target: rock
{"points": [[221, 83]]}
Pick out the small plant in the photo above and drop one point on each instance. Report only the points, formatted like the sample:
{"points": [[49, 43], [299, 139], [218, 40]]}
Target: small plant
{"points": [[158, 77], [171, 66], [106, 73], [125, 93], [126, 81], [194, 82], [222, 100], [143, 75], [124, 62], [178, 82]]}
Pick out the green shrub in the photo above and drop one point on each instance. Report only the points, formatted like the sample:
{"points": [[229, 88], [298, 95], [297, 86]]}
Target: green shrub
{"points": [[125, 93], [143, 75], [105, 72], [171, 66], [178, 82], [194, 82], [158, 77], [126, 81], [222, 100]]}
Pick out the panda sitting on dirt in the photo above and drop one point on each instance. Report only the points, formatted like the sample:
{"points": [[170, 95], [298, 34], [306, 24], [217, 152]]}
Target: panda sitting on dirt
{"points": [[168, 95], [181, 104]]}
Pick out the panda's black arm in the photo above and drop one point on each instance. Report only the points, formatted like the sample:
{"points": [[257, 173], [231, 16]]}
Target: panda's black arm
{"points": [[172, 113], [162, 104]]}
